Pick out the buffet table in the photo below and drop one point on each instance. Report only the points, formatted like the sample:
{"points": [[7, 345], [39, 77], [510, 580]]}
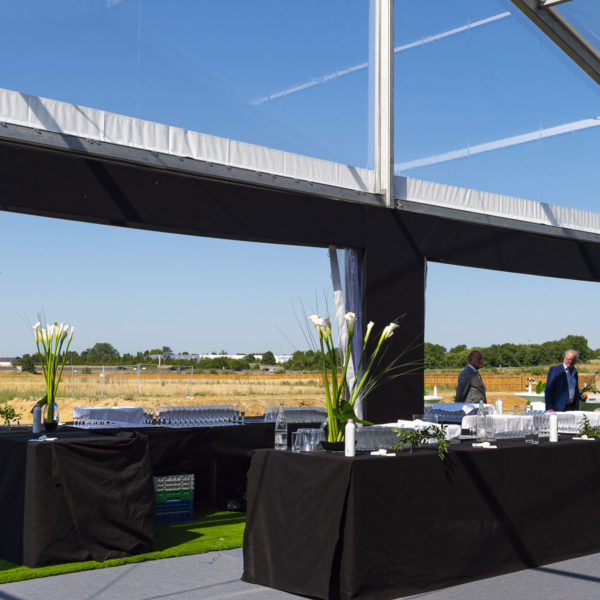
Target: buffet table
{"points": [[327, 526], [88, 495]]}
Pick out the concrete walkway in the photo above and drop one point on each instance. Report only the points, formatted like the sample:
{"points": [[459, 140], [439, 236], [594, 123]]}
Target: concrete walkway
{"points": [[216, 576]]}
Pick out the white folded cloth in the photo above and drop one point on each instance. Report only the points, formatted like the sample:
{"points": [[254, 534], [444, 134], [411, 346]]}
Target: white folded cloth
{"points": [[502, 423], [484, 445], [454, 406]]}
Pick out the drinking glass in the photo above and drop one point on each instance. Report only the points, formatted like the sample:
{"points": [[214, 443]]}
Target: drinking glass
{"points": [[535, 431], [304, 441], [473, 427], [490, 428], [296, 439], [241, 416]]}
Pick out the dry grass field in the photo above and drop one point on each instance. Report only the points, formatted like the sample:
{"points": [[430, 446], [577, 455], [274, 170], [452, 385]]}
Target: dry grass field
{"points": [[253, 392]]}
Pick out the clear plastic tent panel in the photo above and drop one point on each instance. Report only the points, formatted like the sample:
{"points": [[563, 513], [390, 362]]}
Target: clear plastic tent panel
{"points": [[484, 100], [288, 75], [585, 16]]}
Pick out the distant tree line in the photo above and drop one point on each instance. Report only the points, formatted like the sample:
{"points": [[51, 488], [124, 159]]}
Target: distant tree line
{"points": [[509, 355], [104, 353], [436, 356]]}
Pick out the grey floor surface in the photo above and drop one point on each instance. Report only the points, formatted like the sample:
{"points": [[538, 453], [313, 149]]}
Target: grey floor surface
{"points": [[216, 576]]}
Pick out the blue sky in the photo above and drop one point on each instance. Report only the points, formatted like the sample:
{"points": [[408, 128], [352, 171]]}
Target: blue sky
{"points": [[470, 75]]}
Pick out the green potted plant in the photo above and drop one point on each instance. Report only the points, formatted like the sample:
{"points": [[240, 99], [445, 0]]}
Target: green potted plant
{"points": [[412, 439], [9, 414]]}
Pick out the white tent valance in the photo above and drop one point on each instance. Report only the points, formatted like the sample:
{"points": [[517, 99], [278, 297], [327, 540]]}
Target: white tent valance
{"points": [[47, 123], [101, 126]]}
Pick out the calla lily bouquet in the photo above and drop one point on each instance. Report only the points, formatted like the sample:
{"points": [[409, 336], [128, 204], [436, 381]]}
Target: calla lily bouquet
{"points": [[50, 341], [341, 399]]}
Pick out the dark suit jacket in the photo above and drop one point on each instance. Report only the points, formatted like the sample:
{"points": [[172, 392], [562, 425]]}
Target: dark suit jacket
{"points": [[470, 387], [557, 390]]}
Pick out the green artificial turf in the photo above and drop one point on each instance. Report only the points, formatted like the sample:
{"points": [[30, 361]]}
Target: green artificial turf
{"points": [[210, 530]]}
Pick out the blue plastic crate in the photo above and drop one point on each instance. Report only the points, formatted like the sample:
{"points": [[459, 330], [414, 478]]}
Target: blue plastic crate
{"points": [[173, 512]]}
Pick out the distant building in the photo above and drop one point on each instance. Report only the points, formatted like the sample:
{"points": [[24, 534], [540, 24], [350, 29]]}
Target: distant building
{"points": [[279, 358], [282, 358], [8, 362]]}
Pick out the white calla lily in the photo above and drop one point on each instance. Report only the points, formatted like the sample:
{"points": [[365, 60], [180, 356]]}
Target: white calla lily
{"points": [[321, 325], [338, 395], [350, 319], [50, 341], [388, 331]]}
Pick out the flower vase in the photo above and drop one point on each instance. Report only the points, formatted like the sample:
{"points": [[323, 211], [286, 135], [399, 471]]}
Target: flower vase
{"points": [[333, 446], [50, 417], [330, 446]]}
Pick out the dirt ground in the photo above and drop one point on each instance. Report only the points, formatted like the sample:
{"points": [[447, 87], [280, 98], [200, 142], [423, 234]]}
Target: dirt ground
{"points": [[253, 405]]}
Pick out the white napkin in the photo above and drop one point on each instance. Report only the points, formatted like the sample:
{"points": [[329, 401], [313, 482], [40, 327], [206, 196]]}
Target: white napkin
{"points": [[382, 452], [43, 438], [485, 445]]}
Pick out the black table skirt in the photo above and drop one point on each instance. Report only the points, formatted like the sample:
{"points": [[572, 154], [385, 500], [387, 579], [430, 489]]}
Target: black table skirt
{"points": [[81, 497], [219, 457], [326, 526], [89, 495]]}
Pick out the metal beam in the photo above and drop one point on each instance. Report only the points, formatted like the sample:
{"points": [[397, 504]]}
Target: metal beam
{"points": [[548, 3], [563, 34], [515, 225], [51, 140], [384, 100]]}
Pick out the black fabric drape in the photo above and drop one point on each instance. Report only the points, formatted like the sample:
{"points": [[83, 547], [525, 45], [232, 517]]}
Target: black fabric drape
{"points": [[12, 496], [89, 494], [295, 502], [83, 498], [98, 504], [411, 523]]}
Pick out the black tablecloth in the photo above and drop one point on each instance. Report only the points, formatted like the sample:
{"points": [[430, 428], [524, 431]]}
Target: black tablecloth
{"points": [[89, 494], [326, 526], [219, 457], [81, 497]]}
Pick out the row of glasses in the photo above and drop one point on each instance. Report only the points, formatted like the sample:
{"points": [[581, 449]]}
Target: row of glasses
{"points": [[199, 416], [375, 438], [509, 427], [300, 414], [296, 414], [569, 422], [88, 423], [271, 413]]}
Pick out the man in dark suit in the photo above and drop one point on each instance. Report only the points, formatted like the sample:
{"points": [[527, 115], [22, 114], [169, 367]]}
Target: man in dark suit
{"points": [[562, 385], [470, 387]]}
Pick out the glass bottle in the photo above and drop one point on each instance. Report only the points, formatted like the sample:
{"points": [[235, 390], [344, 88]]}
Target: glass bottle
{"points": [[480, 420], [280, 430]]}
